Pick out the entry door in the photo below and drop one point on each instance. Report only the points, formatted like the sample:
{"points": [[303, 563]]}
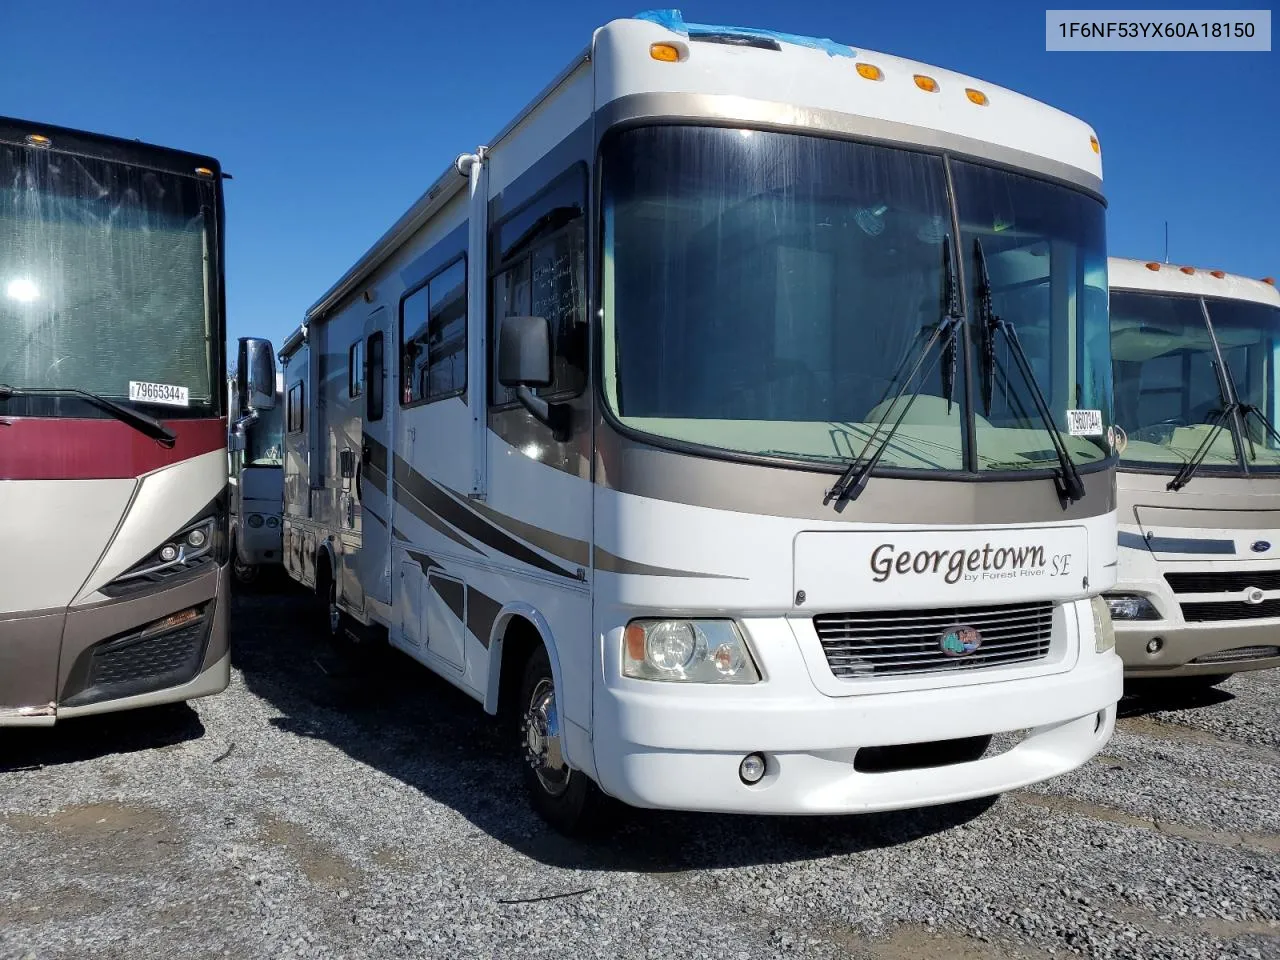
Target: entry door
{"points": [[374, 473]]}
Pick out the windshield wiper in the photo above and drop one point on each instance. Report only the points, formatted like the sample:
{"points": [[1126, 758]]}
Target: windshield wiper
{"points": [[1188, 469], [1070, 486], [854, 479], [139, 421]]}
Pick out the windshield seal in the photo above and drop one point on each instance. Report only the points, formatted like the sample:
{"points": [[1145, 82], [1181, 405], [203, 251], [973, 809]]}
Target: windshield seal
{"points": [[810, 462]]}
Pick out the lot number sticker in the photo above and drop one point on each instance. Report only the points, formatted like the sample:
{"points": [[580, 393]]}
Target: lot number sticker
{"points": [[163, 393], [1084, 423]]}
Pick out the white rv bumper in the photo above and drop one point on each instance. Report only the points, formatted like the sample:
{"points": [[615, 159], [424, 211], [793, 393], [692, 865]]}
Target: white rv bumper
{"points": [[673, 746]]}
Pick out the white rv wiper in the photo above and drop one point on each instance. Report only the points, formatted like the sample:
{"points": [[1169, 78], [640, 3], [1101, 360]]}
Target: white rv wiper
{"points": [[1070, 486], [139, 421], [854, 479]]}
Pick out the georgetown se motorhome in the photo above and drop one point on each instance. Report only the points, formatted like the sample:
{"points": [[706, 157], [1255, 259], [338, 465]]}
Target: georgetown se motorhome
{"points": [[752, 453], [113, 430], [1195, 354]]}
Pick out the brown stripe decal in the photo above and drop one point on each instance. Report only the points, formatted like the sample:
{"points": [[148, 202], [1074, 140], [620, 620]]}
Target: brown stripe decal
{"points": [[450, 591], [435, 500], [574, 551], [406, 500], [377, 454], [482, 610], [610, 563]]}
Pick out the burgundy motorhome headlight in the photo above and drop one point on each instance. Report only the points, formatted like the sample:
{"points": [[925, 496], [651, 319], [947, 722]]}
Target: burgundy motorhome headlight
{"points": [[189, 549]]}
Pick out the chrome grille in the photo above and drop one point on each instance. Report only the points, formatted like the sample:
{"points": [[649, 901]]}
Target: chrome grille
{"points": [[889, 643], [1229, 610]]}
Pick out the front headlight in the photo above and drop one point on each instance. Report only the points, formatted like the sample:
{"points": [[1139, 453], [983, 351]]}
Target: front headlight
{"points": [[273, 522], [1104, 633], [692, 651], [255, 520], [1131, 607]]}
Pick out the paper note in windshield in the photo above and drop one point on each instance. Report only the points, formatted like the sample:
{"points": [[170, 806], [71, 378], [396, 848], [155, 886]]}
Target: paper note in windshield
{"points": [[1084, 423], [163, 393]]}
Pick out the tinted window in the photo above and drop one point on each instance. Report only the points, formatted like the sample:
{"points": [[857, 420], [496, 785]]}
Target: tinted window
{"points": [[543, 274], [355, 369], [294, 414], [373, 396], [433, 329]]}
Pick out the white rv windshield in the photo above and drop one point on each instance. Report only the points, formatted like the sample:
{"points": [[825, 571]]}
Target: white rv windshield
{"points": [[105, 278], [763, 290], [1169, 392]]}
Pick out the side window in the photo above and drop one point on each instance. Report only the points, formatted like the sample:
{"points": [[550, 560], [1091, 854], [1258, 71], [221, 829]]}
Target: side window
{"points": [[294, 408], [355, 369], [433, 337], [540, 252], [373, 395]]}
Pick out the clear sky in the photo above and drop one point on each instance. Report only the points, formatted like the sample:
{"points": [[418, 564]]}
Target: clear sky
{"points": [[333, 118]]}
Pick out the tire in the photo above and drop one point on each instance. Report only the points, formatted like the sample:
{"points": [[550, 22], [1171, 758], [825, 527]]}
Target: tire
{"points": [[566, 799], [329, 616], [245, 574]]}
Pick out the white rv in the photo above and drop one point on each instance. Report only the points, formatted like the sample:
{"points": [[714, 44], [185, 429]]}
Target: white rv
{"points": [[737, 418], [1195, 354], [256, 478]]}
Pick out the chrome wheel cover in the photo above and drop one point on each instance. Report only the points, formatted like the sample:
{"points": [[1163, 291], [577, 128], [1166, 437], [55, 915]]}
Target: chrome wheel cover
{"points": [[542, 739]]}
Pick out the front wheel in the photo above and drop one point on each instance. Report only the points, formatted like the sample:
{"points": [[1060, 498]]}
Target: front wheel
{"points": [[566, 799], [246, 574]]}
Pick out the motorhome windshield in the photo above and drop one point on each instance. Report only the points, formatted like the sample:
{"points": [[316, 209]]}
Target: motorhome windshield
{"points": [[106, 278], [761, 291], [1168, 391]]}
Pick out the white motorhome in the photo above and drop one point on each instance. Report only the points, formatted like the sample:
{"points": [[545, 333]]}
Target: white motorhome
{"points": [[256, 478], [1195, 354], [736, 418]]}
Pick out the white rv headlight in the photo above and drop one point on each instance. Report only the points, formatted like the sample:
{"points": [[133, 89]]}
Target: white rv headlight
{"points": [[692, 651], [1103, 631]]}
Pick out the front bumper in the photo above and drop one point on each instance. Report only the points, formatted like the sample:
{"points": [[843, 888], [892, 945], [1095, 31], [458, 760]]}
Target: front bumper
{"points": [[680, 748], [66, 652], [1185, 642]]}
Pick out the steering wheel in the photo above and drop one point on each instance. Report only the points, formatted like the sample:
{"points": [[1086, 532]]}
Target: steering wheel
{"points": [[1159, 432]]}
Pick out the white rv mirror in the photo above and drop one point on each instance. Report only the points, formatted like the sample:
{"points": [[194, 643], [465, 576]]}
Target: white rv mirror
{"points": [[256, 375], [524, 361]]}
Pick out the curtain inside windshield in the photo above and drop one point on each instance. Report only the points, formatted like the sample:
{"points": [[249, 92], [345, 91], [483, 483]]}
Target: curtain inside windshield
{"points": [[103, 276]]}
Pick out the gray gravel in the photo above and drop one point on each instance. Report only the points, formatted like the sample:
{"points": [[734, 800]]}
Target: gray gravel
{"points": [[339, 807]]}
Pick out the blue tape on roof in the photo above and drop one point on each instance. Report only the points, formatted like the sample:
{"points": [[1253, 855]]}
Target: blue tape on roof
{"points": [[674, 21]]}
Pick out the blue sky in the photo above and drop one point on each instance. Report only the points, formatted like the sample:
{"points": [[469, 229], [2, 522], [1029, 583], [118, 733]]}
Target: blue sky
{"points": [[333, 117]]}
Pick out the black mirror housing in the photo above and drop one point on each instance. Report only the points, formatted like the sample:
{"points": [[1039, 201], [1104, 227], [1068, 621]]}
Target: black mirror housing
{"points": [[524, 352], [256, 375]]}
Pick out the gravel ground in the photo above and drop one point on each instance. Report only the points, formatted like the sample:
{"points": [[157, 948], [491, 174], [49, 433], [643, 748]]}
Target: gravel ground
{"points": [[334, 807]]}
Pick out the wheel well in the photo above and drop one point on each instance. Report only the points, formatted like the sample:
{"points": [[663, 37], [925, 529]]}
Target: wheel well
{"points": [[519, 641]]}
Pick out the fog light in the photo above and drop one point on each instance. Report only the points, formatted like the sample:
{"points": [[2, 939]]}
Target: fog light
{"points": [[1155, 645], [751, 769], [197, 538], [168, 553]]}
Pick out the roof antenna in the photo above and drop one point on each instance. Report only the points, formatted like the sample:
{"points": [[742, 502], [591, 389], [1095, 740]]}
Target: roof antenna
{"points": [[1166, 241]]}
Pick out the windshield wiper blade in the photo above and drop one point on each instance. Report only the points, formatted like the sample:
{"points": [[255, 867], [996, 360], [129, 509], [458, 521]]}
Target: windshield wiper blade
{"points": [[1070, 486], [1188, 469], [1251, 409], [854, 479], [139, 421]]}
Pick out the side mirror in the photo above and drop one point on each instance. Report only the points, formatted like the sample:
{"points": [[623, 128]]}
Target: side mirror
{"points": [[524, 352], [256, 375], [524, 361], [235, 441]]}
